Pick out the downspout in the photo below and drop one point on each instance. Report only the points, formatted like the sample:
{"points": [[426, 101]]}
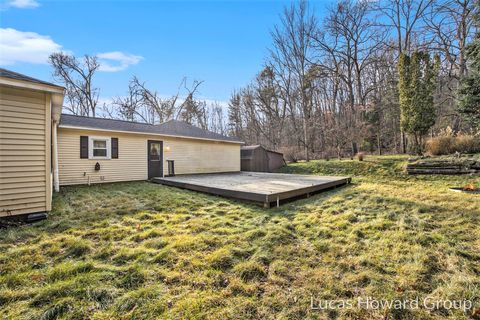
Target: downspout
{"points": [[57, 103], [56, 185]]}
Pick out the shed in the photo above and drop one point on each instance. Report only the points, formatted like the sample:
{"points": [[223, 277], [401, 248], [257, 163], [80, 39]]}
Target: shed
{"points": [[259, 159]]}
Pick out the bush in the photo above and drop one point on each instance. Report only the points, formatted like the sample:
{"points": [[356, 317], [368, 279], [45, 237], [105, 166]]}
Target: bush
{"points": [[467, 143], [441, 145], [448, 144], [292, 154]]}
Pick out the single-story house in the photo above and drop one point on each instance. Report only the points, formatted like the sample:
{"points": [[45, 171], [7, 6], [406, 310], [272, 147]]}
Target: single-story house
{"points": [[42, 149], [257, 158], [95, 150]]}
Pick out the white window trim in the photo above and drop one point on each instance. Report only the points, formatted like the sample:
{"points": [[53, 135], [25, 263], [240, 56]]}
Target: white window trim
{"points": [[108, 141]]}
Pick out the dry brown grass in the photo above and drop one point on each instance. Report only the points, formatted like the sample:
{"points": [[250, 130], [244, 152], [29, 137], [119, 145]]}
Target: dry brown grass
{"points": [[449, 144], [144, 251]]}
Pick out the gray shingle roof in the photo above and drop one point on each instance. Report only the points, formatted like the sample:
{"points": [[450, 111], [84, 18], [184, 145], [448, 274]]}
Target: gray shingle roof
{"points": [[170, 128], [18, 76]]}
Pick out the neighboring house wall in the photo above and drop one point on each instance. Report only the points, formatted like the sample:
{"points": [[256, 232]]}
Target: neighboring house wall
{"points": [[190, 156], [25, 162]]}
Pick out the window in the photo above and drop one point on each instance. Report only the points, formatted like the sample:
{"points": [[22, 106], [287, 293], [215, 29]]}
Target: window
{"points": [[99, 148], [155, 149]]}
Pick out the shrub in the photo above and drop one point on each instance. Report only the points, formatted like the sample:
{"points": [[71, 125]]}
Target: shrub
{"points": [[448, 144], [467, 143], [441, 145], [292, 154]]}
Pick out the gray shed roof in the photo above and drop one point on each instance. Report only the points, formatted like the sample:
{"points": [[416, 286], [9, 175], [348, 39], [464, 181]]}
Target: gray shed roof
{"points": [[253, 147], [169, 128], [18, 76]]}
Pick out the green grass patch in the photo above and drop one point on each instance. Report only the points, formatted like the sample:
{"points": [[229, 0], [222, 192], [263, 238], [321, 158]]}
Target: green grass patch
{"points": [[145, 251]]}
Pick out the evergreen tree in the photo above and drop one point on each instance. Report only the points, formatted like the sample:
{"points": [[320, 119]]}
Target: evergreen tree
{"points": [[417, 81], [469, 105]]}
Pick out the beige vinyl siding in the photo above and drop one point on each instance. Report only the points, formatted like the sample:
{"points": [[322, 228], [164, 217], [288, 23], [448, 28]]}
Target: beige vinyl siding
{"points": [[24, 151], [201, 156], [190, 156]]}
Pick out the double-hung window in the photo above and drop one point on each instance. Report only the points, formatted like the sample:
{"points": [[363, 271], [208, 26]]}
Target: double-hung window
{"points": [[99, 148]]}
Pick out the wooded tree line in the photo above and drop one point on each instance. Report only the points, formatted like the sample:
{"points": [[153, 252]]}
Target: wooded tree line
{"points": [[375, 76], [370, 76]]}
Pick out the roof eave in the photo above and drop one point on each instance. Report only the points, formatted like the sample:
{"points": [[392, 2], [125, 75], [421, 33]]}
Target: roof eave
{"points": [[23, 84]]}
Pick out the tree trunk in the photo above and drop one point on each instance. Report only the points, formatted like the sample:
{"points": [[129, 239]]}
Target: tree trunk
{"points": [[379, 144], [403, 141], [305, 138]]}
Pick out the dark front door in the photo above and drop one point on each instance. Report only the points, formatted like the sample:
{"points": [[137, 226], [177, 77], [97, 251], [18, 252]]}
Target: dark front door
{"points": [[155, 159]]}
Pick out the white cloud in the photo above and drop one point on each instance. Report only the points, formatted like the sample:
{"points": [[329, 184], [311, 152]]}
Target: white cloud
{"points": [[18, 46], [22, 4], [117, 61], [30, 47]]}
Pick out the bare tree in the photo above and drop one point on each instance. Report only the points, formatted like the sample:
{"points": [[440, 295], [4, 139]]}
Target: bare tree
{"points": [[130, 106], [290, 60], [77, 77], [142, 104], [235, 119], [146, 105], [215, 118], [405, 18], [450, 26]]}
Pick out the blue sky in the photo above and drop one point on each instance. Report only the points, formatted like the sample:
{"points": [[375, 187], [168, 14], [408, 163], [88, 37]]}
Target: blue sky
{"points": [[223, 43]]}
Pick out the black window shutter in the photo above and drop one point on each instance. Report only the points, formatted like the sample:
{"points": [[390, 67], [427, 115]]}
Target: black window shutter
{"points": [[83, 147], [114, 148]]}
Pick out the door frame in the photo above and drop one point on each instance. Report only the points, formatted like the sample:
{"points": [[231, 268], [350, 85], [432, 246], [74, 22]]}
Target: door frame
{"points": [[148, 158]]}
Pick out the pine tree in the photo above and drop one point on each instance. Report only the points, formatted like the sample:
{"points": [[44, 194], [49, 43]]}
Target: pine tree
{"points": [[469, 105], [417, 81]]}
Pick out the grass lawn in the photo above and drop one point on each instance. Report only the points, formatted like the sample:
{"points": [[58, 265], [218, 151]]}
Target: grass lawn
{"points": [[142, 251]]}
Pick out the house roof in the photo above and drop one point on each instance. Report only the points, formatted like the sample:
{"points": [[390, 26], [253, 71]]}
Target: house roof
{"points": [[18, 76], [170, 128]]}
